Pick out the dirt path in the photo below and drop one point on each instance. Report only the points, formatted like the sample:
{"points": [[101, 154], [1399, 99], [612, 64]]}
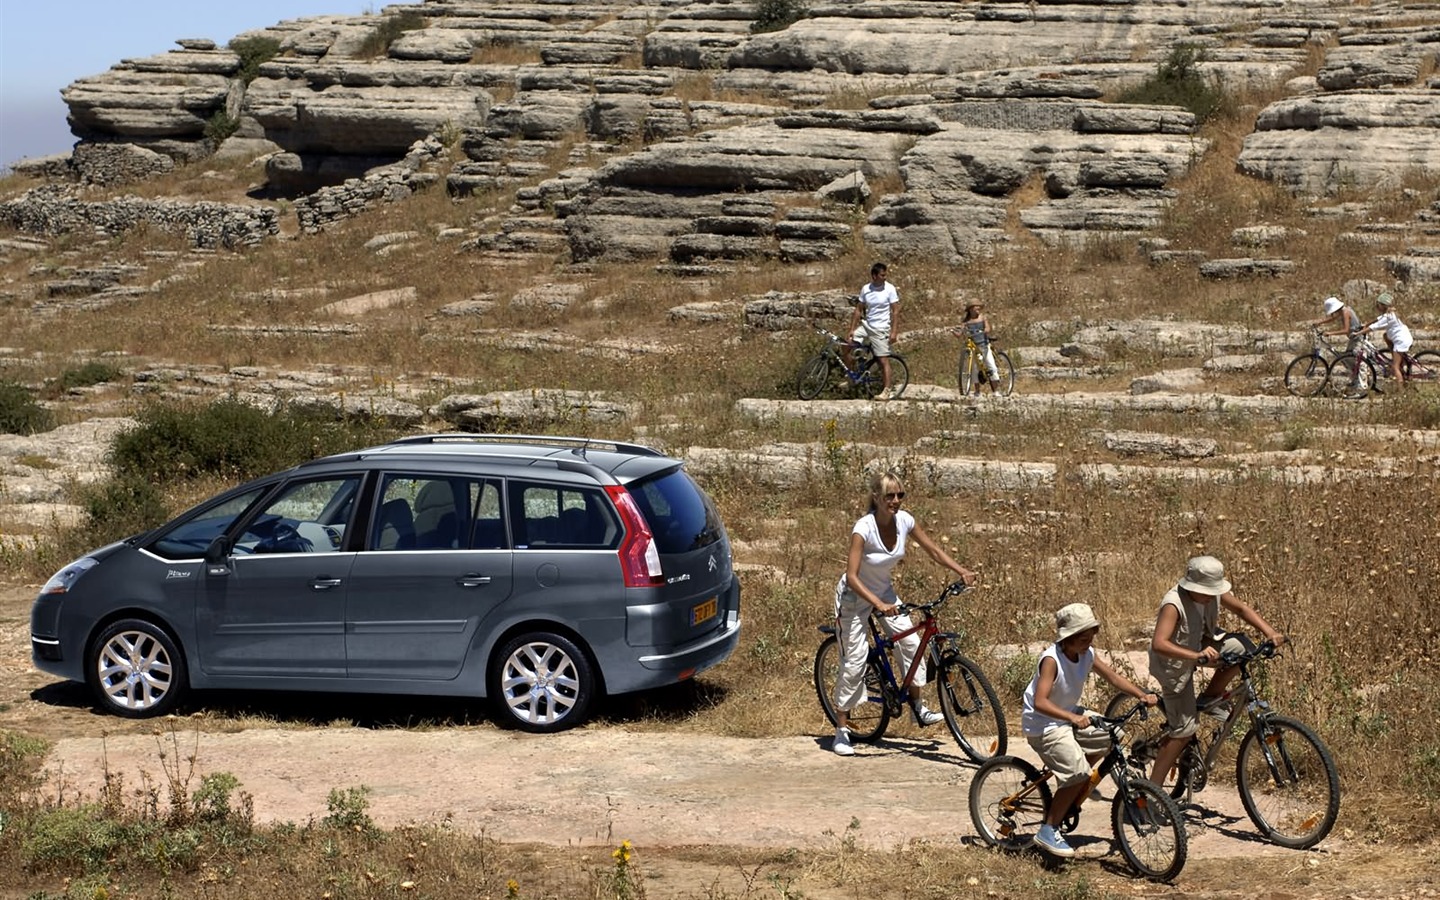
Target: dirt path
{"points": [[594, 786], [601, 784]]}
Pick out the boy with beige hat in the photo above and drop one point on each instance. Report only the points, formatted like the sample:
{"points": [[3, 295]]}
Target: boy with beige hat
{"points": [[1057, 726], [1187, 635]]}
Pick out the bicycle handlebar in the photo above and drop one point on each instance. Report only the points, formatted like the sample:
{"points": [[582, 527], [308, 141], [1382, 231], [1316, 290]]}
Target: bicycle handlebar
{"points": [[954, 589], [1266, 650]]}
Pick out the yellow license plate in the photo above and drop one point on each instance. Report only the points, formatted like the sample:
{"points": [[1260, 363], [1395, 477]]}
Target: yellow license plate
{"points": [[704, 611]]}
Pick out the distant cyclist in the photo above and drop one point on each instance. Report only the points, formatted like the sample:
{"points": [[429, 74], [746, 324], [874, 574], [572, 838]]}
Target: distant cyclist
{"points": [[1344, 319], [978, 328], [1397, 335], [876, 321]]}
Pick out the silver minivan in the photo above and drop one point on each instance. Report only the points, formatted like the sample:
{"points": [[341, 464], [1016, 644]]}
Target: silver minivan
{"points": [[539, 572]]}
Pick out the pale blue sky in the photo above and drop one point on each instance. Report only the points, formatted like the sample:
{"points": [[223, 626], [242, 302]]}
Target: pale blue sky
{"points": [[46, 44]]}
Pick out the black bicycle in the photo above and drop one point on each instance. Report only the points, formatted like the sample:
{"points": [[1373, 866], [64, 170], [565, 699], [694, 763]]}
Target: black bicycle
{"points": [[1285, 774], [968, 702], [1009, 799], [864, 378]]}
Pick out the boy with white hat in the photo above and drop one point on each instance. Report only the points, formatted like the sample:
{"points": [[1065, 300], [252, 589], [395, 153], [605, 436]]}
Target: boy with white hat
{"points": [[1057, 726], [1345, 318], [1187, 635]]}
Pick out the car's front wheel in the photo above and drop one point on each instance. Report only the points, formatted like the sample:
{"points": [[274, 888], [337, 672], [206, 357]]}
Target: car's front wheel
{"points": [[542, 682], [135, 669]]}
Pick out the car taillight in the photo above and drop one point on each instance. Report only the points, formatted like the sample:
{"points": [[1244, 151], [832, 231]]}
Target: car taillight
{"points": [[639, 557]]}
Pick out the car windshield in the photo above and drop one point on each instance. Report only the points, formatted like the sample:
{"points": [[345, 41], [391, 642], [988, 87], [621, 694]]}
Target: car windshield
{"points": [[680, 515], [189, 537]]}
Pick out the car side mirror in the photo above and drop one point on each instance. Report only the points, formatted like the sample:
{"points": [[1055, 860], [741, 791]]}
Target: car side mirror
{"points": [[217, 557]]}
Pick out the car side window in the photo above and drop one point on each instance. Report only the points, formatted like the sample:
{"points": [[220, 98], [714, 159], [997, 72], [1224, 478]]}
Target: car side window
{"points": [[436, 512], [189, 538], [301, 519], [489, 517], [546, 515]]}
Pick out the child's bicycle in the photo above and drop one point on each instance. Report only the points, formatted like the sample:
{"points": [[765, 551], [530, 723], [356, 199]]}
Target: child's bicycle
{"points": [[968, 702], [1009, 798], [973, 377], [1309, 373], [865, 378], [1285, 775], [1354, 375]]}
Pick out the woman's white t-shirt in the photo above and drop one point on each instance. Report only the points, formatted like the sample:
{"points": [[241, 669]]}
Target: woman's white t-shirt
{"points": [[877, 562]]}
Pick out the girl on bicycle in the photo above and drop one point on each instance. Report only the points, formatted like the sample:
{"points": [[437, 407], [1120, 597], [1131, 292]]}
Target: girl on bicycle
{"points": [[877, 545], [1397, 335], [1058, 727], [1187, 635], [1345, 318], [977, 327]]}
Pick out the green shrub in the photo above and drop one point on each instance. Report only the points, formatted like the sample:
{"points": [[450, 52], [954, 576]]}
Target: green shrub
{"points": [[87, 374], [19, 413], [1178, 81], [231, 439], [774, 15], [253, 52], [349, 809], [220, 126], [378, 42], [118, 508]]}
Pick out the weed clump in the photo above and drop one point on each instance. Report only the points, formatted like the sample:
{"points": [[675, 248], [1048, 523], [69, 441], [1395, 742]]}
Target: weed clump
{"points": [[253, 52], [775, 15], [377, 42], [1178, 81], [20, 413]]}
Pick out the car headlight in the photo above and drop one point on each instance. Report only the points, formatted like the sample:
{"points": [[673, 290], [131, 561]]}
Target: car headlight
{"points": [[63, 580]]}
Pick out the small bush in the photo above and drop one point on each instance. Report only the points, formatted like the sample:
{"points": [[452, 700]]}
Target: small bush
{"points": [[220, 126], [19, 413], [377, 42], [1178, 81], [774, 15], [88, 374], [118, 508], [253, 52], [349, 809], [231, 439]]}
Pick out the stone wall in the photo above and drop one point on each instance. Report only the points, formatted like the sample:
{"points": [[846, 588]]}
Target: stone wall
{"points": [[54, 209]]}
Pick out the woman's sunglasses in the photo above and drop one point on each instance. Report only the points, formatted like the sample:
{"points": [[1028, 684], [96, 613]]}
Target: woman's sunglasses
{"points": [[895, 495]]}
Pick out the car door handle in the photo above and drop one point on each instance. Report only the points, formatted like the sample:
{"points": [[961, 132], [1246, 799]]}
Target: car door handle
{"points": [[324, 583], [472, 579]]}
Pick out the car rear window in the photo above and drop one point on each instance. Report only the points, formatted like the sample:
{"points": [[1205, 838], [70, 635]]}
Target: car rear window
{"points": [[680, 515]]}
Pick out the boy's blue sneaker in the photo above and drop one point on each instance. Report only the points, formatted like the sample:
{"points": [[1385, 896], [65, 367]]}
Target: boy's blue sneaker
{"points": [[1052, 842]]}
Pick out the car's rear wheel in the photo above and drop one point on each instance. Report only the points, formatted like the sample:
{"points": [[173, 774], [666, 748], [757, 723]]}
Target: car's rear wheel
{"points": [[135, 669], [542, 682]]}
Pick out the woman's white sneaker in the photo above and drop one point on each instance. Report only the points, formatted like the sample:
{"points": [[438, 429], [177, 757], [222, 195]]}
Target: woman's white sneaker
{"points": [[841, 744]]}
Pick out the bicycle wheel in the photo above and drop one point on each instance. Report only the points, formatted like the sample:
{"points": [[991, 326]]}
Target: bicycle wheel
{"points": [[1006, 371], [1424, 368], [1349, 377], [1149, 829], [971, 709], [965, 378], [1306, 375], [872, 379], [1288, 782], [868, 720], [813, 377], [1008, 802]]}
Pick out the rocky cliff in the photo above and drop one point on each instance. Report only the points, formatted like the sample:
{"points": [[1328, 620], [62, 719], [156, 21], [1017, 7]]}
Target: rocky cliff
{"points": [[705, 139]]}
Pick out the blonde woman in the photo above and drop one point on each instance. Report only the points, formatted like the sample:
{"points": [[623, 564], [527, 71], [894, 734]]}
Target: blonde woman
{"points": [[877, 544]]}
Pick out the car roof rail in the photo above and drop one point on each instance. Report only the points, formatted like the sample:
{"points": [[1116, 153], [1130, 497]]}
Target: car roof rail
{"points": [[578, 444]]}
